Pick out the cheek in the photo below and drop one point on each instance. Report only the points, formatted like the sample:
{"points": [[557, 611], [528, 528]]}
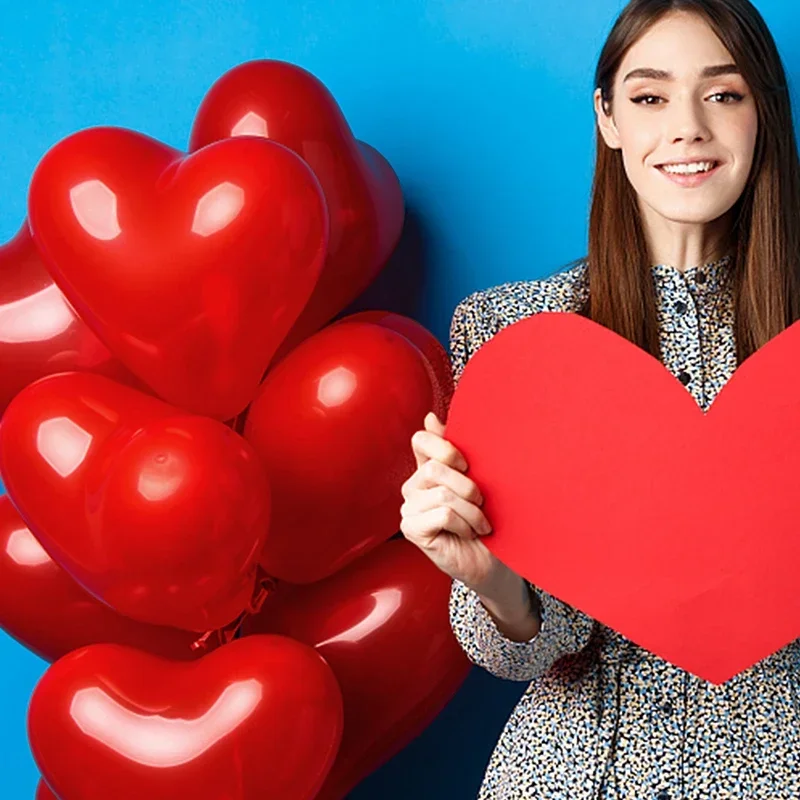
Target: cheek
{"points": [[743, 139]]}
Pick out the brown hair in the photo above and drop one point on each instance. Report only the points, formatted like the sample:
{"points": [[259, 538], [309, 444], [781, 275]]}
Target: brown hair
{"points": [[765, 238]]}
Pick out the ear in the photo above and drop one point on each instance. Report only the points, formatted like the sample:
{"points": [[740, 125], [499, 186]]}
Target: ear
{"points": [[605, 123]]}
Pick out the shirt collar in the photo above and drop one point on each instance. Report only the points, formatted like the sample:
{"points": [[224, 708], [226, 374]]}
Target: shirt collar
{"points": [[701, 278]]}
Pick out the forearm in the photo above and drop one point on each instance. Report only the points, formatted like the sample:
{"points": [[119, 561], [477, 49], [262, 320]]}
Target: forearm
{"points": [[512, 606]]}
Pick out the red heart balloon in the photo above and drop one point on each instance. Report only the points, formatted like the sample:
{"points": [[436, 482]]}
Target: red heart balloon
{"points": [[289, 105], [386, 636], [40, 333], [608, 486], [332, 422], [435, 356], [43, 792], [159, 514], [49, 613], [260, 717], [192, 268]]}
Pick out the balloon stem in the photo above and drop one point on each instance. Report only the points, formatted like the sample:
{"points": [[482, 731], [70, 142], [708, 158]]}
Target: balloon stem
{"points": [[265, 585]]}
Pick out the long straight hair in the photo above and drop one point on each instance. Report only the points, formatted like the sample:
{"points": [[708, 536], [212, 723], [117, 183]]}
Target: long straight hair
{"points": [[764, 241]]}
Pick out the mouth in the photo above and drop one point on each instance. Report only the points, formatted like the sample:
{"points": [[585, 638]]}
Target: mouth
{"points": [[690, 178]]}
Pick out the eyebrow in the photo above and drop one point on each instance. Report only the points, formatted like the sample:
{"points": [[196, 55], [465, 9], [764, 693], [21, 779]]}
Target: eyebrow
{"points": [[665, 75]]}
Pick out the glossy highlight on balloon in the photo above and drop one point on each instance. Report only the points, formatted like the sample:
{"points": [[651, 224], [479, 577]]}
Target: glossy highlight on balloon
{"points": [[260, 717], [285, 103], [160, 515], [191, 269], [332, 424]]}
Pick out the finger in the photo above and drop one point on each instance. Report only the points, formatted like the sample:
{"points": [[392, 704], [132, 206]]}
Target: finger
{"points": [[442, 520], [426, 499], [429, 445], [433, 424], [434, 473]]}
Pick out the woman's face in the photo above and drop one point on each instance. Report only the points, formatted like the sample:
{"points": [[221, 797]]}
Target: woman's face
{"points": [[680, 114]]}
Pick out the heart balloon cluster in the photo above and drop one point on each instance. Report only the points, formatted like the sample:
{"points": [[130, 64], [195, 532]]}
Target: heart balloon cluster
{"points": [[204, 468]]}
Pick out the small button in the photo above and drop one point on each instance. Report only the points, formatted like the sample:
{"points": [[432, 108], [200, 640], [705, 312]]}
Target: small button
{"points": [[667, 707], [684, 377], [700, 277], [663, 795], [680, 307]]}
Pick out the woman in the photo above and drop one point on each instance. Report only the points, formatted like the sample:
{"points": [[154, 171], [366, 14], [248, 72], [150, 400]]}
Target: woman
{"points": [[694, 255]]}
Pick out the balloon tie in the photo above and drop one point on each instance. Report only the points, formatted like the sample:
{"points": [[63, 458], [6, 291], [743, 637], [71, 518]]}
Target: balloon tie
{"points": [[264, 586]]}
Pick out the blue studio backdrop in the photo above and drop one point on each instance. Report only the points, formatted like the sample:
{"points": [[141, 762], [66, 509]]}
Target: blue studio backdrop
{"points": [[484, 110]]}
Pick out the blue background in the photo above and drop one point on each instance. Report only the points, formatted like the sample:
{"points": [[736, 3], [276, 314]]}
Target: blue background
{"points": [[482, 107]]}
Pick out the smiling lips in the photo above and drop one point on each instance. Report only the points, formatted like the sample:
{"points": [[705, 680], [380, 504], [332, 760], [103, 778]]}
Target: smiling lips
{"points": [[689, 179]]}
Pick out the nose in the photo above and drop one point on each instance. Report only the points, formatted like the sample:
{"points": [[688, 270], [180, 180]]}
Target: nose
{"points": [[687, 121]]}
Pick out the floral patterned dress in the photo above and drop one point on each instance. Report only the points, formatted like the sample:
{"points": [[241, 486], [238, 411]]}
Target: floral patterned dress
{"points": [[602, 718]]}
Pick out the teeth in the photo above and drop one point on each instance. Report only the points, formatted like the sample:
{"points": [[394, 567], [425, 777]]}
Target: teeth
{"points": [[688, 169]]}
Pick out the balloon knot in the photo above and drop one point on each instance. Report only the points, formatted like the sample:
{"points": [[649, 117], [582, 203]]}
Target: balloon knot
{"points": [[264, 586]]}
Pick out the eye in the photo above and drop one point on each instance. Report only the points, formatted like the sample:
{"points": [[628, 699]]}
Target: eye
{"points": [[737, 97], [642, 97]]}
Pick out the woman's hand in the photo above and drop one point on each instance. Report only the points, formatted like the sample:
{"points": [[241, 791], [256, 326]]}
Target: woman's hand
{"points": [[441, 513]]}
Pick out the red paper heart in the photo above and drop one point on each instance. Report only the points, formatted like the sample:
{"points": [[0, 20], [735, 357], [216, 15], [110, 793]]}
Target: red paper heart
{"points": [[291, 106], [386, 636], [43, 608], [260, 717], [332, 423], [608, 486], [159, 514], [40, 333], [191, 269]]}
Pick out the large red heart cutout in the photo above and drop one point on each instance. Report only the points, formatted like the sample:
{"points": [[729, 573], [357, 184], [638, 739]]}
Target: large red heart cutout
{"points": [[387, 638], [40, 333], [609, 487], [43, 608], [260, 717], [161, 515], [191, 269], [289, 105]]}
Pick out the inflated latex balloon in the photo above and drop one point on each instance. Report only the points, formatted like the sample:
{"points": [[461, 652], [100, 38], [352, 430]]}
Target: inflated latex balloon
{"points": [[259, 718], [287, 104], [190, 269], [386, 634], [160, 514], [435, 355], [45, 610], [333, 423], [40, 333], [43, 792]]}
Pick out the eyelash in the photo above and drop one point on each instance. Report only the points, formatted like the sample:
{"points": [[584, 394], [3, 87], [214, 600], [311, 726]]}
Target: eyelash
{"points": [[638, 100]]}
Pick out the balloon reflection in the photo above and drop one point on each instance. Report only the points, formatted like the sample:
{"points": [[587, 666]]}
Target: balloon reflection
{"points": [[251, 124], [217, 208], [36, 318], [24, 549], [162, 477], [95, 208], [63, 444], [156, 740], [386, 603], [336, 387]]}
